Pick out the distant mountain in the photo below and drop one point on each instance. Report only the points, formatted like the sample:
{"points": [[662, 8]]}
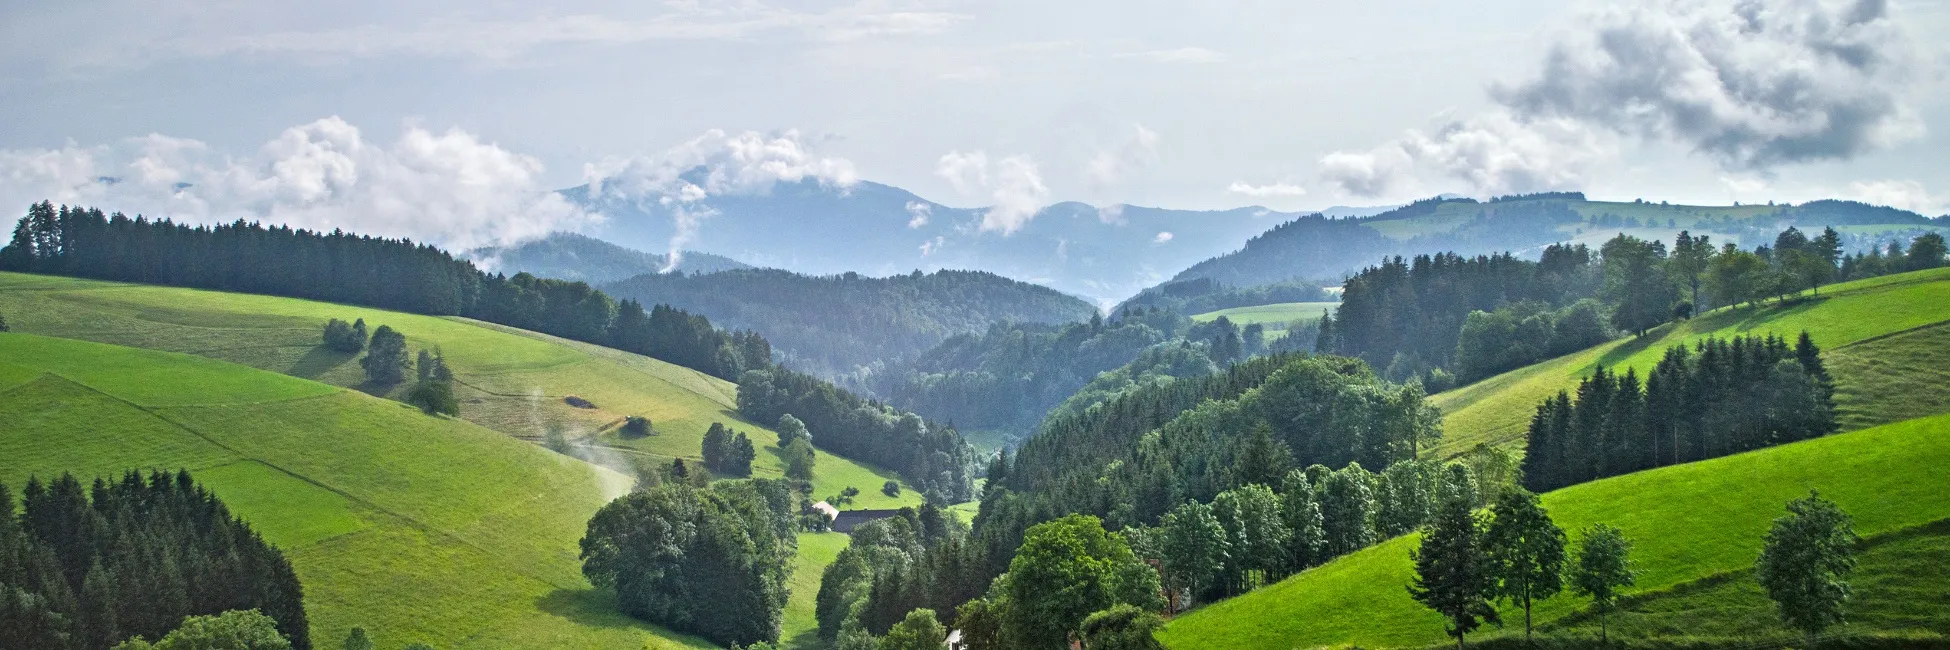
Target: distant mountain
{"points": [[849, 324], [1104, 254], [569, 256], [1314, 247]]}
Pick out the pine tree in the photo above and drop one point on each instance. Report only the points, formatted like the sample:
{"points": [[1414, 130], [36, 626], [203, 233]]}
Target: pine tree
{"points": [[1526, 551], [1452, 572]]}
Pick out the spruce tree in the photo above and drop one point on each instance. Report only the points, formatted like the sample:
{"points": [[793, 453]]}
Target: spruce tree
{"points": [[1452, 572], [1526, 551]]}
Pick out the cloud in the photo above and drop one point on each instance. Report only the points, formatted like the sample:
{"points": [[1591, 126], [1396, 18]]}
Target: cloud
{"points": [[1752, 84], [1013, 185], [1136, 152], [507, 39], [1903, 194], [918, 213], [1163, 236], [1179, 55], [1111, 214], [1279, 189], [449, 188], [1492, 154], [715, 163], [930, 246]]}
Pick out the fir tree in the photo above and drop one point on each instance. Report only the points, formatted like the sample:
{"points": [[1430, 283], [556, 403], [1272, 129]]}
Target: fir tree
{"points": [[1452, 572]]}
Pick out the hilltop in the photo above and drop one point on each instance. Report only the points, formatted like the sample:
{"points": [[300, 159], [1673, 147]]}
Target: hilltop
{"points": [[417, 528], [569, 256]]}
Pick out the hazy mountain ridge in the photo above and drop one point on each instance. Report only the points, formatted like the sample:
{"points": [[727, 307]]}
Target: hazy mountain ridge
{"points": [[570, 256]]}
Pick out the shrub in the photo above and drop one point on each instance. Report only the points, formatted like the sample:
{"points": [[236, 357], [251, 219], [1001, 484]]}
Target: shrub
{"points": [[891, 488]]}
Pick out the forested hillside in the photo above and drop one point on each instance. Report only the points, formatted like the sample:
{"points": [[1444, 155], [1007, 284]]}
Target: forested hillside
{"points": [[849, 324], [570, 256]]}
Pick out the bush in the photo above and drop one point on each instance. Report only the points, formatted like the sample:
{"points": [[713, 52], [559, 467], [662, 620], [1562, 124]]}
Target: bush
{"points": [[385, 361], [891, 488], [434, 396], [349, 338], [635, 426]]}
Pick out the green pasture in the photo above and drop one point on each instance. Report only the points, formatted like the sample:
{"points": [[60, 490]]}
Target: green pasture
{"points": [[511, 380], [1688, 522], [417, 528], [1278, 314]]}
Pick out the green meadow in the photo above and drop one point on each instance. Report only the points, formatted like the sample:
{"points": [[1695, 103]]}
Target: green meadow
{"points": [[1689, 523], [1852, 322], [1277, 314], [417, 528], [509, 380]]}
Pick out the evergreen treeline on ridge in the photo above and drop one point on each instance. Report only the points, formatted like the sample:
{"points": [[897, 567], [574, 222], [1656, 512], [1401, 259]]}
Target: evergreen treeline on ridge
{"points": [[1720, 397], [340, 267], [85, 568], [884, 320], [933, 457]]}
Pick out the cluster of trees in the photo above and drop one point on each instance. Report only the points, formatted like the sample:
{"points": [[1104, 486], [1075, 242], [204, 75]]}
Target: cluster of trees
{"points": [[434, 392], [1201, 295], [728, 452], [86, 567], [795, 443], [711, 561], [386, 364], [1406, 317], [349, 338], [1716, 398], [341, 267], [933, 457], [1521, 333], [892, 566], [1513, 553], [1008, 378], [1069, 577], [885, 319]]}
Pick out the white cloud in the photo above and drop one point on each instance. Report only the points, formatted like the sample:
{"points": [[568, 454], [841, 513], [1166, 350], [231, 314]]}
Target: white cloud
{"points": [[1492, 154], [1903, 194], [1136, 152], [713, 164], [1278, 189], [448, 188], [1752, 84], [1178, 55], [930, 246], [1163, 236], [1111, 214], [1012, 184], [918, 213]]}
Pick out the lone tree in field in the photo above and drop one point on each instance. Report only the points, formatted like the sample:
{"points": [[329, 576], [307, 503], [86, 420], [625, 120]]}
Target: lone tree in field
{"points": [[1526, 551], [1452, 574], [790, 429], [385, 361], [1805, 562], [1602, 567]]}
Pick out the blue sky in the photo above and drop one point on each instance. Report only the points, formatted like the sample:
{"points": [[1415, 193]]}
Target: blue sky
{"points": [[449, 120]]}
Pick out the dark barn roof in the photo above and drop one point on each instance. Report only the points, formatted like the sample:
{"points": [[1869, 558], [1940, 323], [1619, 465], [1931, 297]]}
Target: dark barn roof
{"points": [[850, 519]]}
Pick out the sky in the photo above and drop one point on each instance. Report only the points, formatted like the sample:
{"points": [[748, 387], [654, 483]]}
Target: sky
{"points": [[452, 121]]}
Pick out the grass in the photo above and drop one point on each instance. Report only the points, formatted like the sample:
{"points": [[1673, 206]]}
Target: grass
{"points": [[512, 381], [1497, 410], [1898, 585], [816, 551], [1688, 522], [417, 528]]}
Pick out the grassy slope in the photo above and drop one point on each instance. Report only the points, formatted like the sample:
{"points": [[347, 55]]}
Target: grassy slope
{"points": [[417, 528], [1899, 589], [1497, 410], [1275, 314], [1688, 522], [513, 380]]}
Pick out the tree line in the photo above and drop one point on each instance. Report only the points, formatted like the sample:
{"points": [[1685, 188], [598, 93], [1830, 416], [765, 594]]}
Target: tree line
{"points": [[712, 561], [1718, 397], [346, 268], [86, 568], [932, 456], [1446, 318]]}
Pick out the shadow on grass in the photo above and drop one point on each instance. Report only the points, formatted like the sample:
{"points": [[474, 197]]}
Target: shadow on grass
{"points": [[587, 607], [1740, 319], [807, 640], [317, 361]]}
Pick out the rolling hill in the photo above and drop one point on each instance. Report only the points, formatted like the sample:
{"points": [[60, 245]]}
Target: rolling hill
{"points": [[1689, 523], [508, 380], [417, 528], [1852, 322], [1697, 525]]}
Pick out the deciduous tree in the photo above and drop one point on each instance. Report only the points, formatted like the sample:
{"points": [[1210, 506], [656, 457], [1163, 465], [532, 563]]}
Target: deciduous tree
{"points": [[1526, 551], [1602, 566], [1805, 561]]}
